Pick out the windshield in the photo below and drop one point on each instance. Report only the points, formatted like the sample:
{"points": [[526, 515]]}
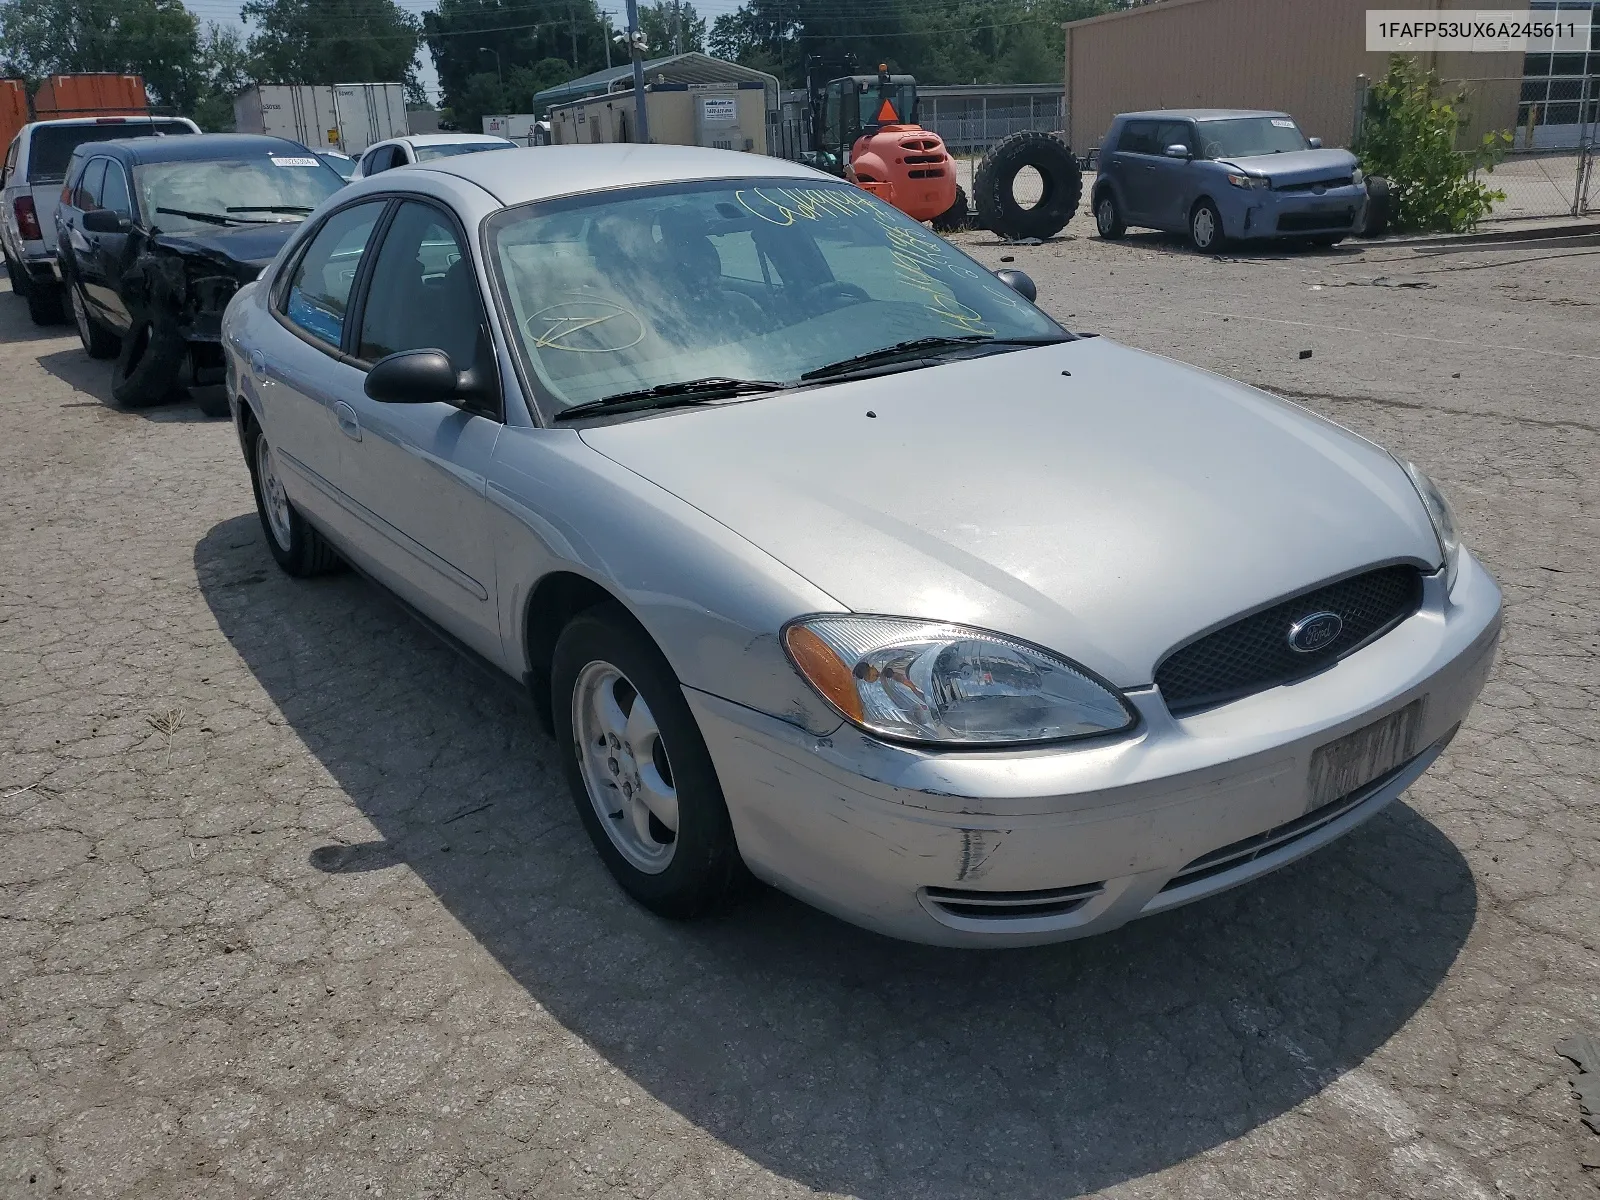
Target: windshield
{"points": [[902, 99], [52, 145], [1243, 137], [761, 280], [345, 167], [206, 195], [426, 153]]}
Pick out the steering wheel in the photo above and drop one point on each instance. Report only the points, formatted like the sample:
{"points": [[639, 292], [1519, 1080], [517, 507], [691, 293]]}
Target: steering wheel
{"points": [[815, 299]]}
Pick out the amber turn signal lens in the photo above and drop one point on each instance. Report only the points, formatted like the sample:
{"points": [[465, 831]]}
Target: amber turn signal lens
{"points": [[824, 670]]}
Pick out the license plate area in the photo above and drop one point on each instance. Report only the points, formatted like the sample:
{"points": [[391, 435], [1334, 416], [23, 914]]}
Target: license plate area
{"points": [[1349, 763]]}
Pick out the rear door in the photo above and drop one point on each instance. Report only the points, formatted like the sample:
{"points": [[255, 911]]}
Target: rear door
{"points": [[1135, 167], [79, 195], [300, 371], [418, 471]]}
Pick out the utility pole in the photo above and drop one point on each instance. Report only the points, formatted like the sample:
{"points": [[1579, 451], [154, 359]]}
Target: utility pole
{"points": [[605, 19], [636, 50]]}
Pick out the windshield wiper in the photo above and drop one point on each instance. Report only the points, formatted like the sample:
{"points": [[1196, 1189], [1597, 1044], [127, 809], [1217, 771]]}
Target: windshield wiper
{"points": [[918, 347], [211, 218], [672, 395], [288, 208]]}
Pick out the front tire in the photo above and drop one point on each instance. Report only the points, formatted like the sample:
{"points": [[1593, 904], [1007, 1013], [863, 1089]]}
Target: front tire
{"points": [[299, 549], [44, 303], [640, 775], [148, 364], [1205, 228], [98, 341]]}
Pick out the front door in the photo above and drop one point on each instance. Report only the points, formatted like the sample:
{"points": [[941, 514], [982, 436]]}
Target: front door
{"points": [[1168, 178], [418, 471]]}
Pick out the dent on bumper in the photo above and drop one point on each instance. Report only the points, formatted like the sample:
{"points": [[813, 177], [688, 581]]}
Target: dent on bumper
{"points": [[1076, 840], [1259, 214]]}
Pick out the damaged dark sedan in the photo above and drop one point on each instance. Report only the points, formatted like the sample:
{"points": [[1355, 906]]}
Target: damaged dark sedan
{"points": [[157, 234]]}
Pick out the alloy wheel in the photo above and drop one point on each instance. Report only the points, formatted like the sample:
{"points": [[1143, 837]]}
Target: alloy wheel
{"points": [[274, 500], [626, 770]]}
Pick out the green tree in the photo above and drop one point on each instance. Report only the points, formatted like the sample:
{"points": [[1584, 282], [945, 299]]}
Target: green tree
{"points": [[312, 41], [672, 27], [157, 39], [226, 68], [515, 42], [1409, 135]]}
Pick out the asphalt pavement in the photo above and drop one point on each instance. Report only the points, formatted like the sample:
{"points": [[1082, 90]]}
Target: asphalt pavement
{"points": [[293, 901]]}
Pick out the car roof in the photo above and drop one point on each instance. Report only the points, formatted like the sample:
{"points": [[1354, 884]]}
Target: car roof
{"points": [[446, 139], [200, 147], [541, 172], [1200, 114]]}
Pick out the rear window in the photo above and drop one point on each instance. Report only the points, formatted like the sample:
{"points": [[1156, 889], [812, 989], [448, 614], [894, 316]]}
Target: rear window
{"points": [[51, 146]]}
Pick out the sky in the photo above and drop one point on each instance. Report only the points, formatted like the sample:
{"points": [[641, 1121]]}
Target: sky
{"points": [[226, 12]]}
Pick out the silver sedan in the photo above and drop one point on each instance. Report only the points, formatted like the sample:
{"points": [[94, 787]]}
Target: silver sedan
{"points": [[831, 559]]}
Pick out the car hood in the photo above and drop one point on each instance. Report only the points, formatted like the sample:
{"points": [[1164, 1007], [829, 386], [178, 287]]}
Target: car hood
{"points": [[1107, 515], [1298, 166], [248, 246]]}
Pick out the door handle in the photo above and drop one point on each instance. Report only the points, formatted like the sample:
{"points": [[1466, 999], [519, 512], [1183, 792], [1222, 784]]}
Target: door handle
{"points": [[346, 416]]}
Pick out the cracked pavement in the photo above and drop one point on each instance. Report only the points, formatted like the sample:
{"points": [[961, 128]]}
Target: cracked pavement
{"points": [[293, 901]]}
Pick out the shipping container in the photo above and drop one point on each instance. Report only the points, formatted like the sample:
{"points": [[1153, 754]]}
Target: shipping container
{"points": [[347, 117], [89, 96], [13, 110], [370, 112]]}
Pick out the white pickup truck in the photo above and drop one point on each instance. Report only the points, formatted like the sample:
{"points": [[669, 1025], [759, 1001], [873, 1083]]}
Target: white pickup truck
{"points": [[30, 189]]}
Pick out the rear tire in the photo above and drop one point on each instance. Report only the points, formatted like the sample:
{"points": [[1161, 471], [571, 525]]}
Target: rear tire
{"points": [[98, 341], [1205, 228], [44, 303], [149, 363], [1108, 220], [299, 549], [993, 186], [699, 869]]}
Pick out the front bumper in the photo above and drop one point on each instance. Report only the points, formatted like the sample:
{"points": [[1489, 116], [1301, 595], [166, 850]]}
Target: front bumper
{"points": [[1010, 848], [1269, 213]]}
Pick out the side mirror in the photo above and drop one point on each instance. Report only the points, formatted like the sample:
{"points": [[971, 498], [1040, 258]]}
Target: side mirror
{"points": [[1177, 150], [103, 220], [1018, 282], [413, 377], [1314, 143]]}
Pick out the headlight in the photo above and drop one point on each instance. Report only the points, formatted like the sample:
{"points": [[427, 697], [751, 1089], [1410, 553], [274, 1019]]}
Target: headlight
{"points": [[1444, 522], [1357, 176], [924, 681], [1246, 181]]}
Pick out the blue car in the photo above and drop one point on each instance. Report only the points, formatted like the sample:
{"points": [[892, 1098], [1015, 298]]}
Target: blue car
{"points": [[1220, 175]]}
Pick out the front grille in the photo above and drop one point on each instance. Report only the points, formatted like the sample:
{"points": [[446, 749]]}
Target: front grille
{"points": [[1336, 181], [1306, 222], [1012, 906], [1254, 654]]}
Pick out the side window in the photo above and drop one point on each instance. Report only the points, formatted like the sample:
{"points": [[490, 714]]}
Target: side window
{"points": [[318, 294], [114, 195], [87, 195], [11, 158], [1139, 138], [380, 159], [1174, 133], [423, 294]]}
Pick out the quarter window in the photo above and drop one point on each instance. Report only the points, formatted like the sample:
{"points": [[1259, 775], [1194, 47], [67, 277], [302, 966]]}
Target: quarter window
{"points": [[423, 295], [319, 291]]}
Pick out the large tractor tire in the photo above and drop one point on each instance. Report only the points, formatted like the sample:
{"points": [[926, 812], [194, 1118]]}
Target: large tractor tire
{"points": [[993, 187], [954, 219]]}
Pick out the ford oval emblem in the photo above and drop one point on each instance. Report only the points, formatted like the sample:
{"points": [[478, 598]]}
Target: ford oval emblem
{"points": [[1316, 632]]}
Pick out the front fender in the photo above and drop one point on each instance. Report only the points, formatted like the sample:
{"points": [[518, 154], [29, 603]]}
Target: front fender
{"points": [[713, 602]]}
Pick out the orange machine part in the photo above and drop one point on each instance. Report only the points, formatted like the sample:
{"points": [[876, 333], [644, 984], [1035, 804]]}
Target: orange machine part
{"points": [[909, 167], [13, 110], [89, 96]]}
